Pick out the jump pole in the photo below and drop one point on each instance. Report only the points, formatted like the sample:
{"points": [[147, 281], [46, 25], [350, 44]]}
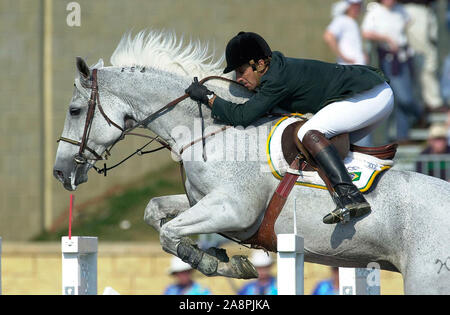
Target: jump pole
{"points": [[359, 281], [79, 265], [290, 262], [0, 265], [79, 262]]}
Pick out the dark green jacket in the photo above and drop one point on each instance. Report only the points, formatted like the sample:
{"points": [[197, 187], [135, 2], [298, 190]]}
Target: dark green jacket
{"points": [[298, 86]]}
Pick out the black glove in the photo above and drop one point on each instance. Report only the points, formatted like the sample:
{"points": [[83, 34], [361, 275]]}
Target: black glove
{"points": [[198, 92]]}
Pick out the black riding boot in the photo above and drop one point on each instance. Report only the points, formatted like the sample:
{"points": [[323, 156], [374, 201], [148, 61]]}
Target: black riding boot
{"points": [[350, 201]]}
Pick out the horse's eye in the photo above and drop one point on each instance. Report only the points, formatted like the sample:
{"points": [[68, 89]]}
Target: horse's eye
{"points": [[75, 111]]}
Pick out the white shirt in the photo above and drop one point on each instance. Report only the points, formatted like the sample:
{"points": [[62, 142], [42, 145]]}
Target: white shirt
{"points": [[348, 37], [387, 22]]}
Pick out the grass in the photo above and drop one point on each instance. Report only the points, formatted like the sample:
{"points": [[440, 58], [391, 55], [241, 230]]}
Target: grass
{"points": [[120, 216]]}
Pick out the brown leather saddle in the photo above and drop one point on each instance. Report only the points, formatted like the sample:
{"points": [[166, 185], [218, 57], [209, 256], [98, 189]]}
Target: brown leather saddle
{"points": [[299, 159], [292, 146]]}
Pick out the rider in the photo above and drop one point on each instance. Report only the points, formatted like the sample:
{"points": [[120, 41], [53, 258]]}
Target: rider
{"points": [[350, 99]]}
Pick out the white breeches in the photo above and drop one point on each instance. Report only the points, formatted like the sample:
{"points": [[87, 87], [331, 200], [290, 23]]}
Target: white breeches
{"points": [[357, 115]]}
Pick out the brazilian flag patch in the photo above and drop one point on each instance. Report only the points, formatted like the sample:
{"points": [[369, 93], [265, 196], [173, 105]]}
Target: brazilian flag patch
{"points": [[355, 176]]}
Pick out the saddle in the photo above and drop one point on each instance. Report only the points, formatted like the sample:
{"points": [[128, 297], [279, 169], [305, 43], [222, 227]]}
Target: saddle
{"points": [[299, 159], [292, 146]]}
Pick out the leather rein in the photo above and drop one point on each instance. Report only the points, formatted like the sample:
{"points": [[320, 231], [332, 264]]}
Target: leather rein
{"points": [[94, 101]]}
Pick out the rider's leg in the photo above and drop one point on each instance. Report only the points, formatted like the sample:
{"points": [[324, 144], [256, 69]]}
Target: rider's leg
{"points": [[356, 115], [351, 201]]}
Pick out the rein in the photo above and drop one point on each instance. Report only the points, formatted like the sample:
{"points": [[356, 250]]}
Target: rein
{"points": [[94, 101]]}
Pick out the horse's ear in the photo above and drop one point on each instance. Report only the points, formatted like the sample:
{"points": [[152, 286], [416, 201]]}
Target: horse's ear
{"points": [[98, 65], [83, 68]]}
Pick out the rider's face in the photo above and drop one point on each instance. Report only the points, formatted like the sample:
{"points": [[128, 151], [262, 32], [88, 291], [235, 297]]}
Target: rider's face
{"points": [[247, 77]]}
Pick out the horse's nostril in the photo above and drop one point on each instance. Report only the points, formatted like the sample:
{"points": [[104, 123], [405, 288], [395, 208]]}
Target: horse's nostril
{"points": [[59, 175]]}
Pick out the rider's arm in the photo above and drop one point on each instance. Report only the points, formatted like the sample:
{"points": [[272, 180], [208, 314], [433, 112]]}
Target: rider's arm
{"points": [[245, 114]]}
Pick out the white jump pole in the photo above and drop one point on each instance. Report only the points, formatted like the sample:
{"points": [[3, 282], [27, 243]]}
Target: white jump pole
{"points": [[290, 262], [0, 265], [359, 281], [79, 265]]}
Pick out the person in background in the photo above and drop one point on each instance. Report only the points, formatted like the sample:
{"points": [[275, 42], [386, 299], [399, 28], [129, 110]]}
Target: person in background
{"points": [[447, 15], [342, 34], [385, 24], [422, 37], [343, 37], [266, 284], [437, 144], [445, 80], [184, 283], [328, 286], [445, 75], [447, 125]]}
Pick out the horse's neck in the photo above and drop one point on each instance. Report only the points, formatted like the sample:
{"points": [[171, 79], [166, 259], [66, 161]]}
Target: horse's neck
{"points": [[148, 91]]}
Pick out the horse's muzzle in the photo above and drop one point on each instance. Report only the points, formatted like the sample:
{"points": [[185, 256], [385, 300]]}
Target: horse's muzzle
{"points": [[71, 180], [59, 175]]}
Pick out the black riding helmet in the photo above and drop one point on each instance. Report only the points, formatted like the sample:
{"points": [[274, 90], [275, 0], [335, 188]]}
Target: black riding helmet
{"points": [[244, 47]]}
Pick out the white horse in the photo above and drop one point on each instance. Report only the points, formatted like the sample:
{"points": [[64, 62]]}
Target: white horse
{"points": [[407, 231]]}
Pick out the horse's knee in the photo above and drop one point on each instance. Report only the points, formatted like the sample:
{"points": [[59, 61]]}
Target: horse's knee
{"points": [[151, 215]]}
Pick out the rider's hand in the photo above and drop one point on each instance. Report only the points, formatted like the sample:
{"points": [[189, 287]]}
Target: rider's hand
{"points": [[198, 92]]}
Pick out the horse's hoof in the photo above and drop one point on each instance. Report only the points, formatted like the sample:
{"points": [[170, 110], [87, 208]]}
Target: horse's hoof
{"points": [[243, 267]]}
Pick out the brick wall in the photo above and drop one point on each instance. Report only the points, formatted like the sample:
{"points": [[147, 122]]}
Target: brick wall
{"points": [[131, 268]]}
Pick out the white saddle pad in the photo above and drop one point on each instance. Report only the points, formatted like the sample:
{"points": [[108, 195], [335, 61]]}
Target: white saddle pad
{"points": [[362, 168]]}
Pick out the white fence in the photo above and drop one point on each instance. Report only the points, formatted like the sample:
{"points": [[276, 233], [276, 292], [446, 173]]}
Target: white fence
{"points": [[79, 269], [79, 265], [0, 265], [359, 281], [437, 165]]}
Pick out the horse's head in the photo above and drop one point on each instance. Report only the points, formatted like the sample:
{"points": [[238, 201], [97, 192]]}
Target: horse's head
{"points": [[94, 121]]}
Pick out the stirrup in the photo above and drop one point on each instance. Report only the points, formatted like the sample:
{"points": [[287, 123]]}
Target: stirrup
{"points": [[337, 215], [343, 214]]}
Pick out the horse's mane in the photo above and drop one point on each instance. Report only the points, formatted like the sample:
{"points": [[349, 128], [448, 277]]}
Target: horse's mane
{"points": [[163, 50]]}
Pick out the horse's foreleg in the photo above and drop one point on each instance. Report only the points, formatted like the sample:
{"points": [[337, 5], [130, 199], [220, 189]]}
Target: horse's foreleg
{"points": [[161, 209], [215, 213]]}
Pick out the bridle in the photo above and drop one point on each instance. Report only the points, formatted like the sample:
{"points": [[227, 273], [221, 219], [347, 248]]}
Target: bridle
{"points": [[94, 101]]}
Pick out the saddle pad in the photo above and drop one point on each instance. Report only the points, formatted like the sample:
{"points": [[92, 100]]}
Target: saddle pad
{"points": [[362, 168]]}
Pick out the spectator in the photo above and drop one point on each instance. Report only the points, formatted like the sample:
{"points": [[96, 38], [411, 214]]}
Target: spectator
{"points": [[344, 39], [385, 24], [266, 283], [445, 80], [447, 124], [184, 284], [343, 35], [447, 16], [328, 286], [437, 144], [422, 34]]}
